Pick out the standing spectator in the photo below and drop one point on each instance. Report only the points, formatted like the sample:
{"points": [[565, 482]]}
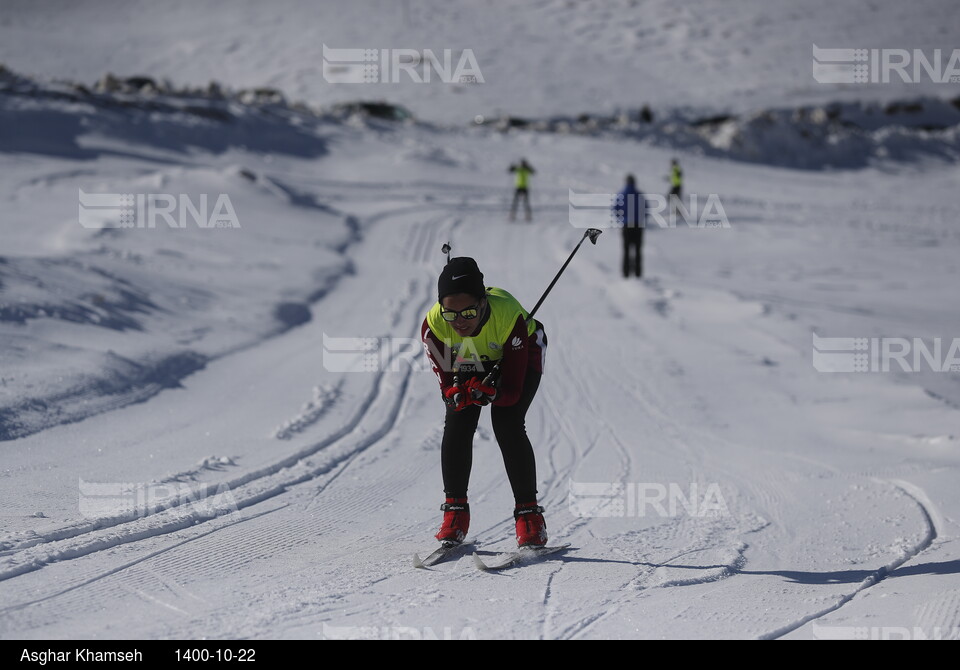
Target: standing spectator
{"points": [[630, 209], [522, 170], [676, 184]]}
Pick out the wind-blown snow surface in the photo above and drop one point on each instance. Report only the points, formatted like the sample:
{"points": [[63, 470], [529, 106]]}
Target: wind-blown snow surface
{"points": [[281, 489]]}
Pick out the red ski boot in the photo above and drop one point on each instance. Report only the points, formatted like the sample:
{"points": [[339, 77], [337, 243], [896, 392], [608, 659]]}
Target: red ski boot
{"points": [[531, 528], [456, 521]]}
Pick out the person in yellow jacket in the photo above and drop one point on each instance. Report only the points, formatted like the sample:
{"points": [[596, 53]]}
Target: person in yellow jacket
{"points": [[522, 170], [470, 329], [676, 178], [676, 184]]}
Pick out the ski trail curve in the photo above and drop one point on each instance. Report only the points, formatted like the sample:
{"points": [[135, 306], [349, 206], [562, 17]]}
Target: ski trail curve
{"points": [[243, 491], [928, 513]]}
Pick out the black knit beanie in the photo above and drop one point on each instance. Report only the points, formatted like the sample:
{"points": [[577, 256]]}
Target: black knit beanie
{"points": [[461, 275]]}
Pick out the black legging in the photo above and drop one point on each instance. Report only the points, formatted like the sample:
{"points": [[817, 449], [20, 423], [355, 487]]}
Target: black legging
{"points": [[521, 193], [456, 450], [633, 252]]}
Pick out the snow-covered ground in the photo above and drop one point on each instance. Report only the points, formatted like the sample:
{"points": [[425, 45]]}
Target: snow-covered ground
{"points": [[229, 431], [536, 58]]}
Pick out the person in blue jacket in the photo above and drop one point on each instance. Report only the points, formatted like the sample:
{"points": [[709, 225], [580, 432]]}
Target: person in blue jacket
{"points": [[630, 211]]}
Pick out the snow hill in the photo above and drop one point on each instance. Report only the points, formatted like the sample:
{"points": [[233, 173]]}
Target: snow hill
{"points": [[537, 58], [216, 421]]}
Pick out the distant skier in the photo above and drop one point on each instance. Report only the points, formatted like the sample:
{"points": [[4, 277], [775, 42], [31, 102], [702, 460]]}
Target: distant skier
{"points": [[466, 332], [631, 212], [676, 184], [522, 170]]}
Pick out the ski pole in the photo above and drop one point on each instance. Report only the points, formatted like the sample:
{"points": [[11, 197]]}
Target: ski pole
{"points": [[445, 249], [593, 234]]}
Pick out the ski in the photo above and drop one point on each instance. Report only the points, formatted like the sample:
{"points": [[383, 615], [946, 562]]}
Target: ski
{"points": [[518, 557], [444, 551]]}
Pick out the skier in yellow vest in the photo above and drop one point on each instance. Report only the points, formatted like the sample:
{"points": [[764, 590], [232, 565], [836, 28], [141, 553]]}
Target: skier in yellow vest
{"points": [[470, 329], [676, 184], [676, 178], [522, 170]]}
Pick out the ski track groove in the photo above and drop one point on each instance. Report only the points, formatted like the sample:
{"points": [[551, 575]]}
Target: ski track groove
{"points": [[769, 494], [583, 626], [12, 546], [546, 604], [75, 545], [132, 531], [419, 249], [683, 436], [279, 538], [928, 514], [129, 564], [666, 427]]}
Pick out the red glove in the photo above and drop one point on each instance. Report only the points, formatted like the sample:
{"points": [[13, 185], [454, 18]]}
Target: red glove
{"points": [[471, 392], [480, 393], [456, 398]]}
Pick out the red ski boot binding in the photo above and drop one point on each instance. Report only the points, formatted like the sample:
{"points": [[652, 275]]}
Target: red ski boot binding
{"points": [[531, 528], [456, 521]]}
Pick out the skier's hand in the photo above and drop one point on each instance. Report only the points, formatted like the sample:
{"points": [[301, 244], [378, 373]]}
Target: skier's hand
{"points": [[457, 398], [480, 393], [471, 392], [452, 395]]}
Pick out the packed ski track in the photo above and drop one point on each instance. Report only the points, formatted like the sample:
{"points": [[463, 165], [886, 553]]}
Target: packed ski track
{"points": [[334, 521]]}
